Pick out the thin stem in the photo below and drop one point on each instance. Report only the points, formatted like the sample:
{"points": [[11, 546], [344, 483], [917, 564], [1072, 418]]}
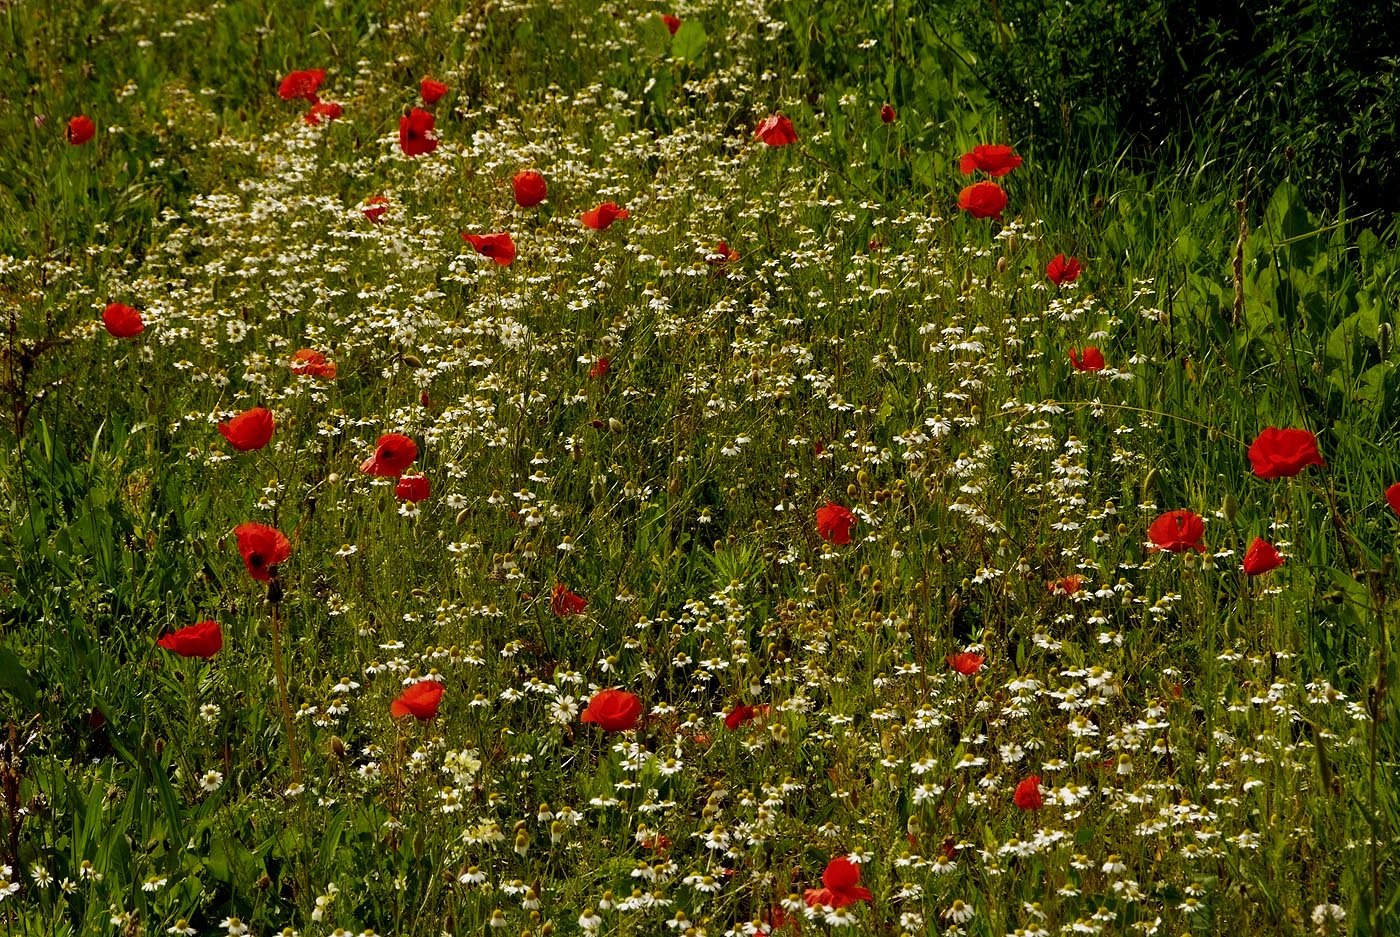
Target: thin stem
{"points": [[274, 596]]}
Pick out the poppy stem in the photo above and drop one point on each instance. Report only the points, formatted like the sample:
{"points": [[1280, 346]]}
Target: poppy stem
{"points": [[274, 595]]}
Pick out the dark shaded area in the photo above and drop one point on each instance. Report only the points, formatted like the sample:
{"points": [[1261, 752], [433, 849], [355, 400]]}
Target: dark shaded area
{"points": [[1299, 89]]}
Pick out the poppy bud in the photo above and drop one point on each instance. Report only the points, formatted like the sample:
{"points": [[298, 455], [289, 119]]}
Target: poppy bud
{"points": [[1149, 485], [1002, 264], [1384, 333], [412, 360], [1229, 507], [614, 424], [462, 515]]}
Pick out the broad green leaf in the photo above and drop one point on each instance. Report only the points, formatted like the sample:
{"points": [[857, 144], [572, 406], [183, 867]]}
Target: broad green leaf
{"points": [[16, 680], [653, 35], [689, 42]]}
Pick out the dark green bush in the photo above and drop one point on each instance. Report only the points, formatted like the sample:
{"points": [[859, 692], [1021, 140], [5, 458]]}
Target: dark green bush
{"points": [[1297, 89]]}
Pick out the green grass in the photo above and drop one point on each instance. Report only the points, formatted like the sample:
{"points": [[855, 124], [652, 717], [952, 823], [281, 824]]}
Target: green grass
{"points": [[1217, 752]]}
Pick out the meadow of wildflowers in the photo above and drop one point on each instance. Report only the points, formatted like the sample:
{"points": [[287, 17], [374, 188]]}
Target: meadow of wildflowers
{"points": [[539, 468]]}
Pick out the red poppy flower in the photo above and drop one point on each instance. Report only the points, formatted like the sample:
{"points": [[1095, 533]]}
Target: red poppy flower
{"points": [[564, 603], [202, 640], [312, 362], [375, 207], [1177, 531], [499, 247], [250, 430], [1027, 795], [1283, 453], [656, 843], [983, 200], [778, 920], [601, 217], [416, 136], [887, 114], [1061, 271], [1065, 585], [672, 24], [600, 368], [80, 130], [1089, 359], [1261, 557], [393, 453], [721, 255], [776, 130], [841, 881], [529, 188], [993, 159], [834, 523], [262, 548], [431, 89], [302, 84], [742, 714], [413, 488], [1392, 497], [613, 710], [419, 700], [323, 110], [122, 321], [966, 662]]}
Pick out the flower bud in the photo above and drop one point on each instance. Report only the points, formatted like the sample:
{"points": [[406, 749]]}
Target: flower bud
{"points": [[1229, 507]]}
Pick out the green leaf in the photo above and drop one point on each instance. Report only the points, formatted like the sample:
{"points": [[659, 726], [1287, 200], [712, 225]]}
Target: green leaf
{"points": [[1354, 337], [653, 36], [689, 42], [232, 862], [15, 679]]}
